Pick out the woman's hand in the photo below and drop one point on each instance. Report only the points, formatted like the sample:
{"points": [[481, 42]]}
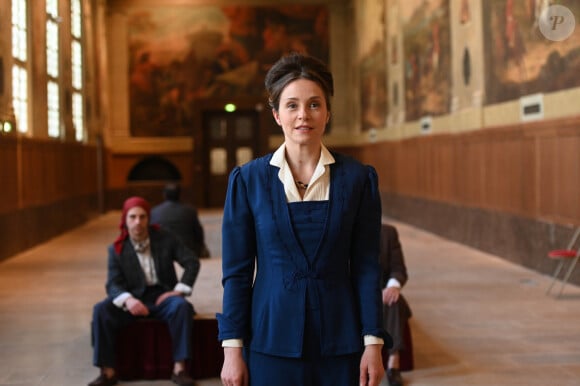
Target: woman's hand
{"points": [[372, 370], [234, 370]]}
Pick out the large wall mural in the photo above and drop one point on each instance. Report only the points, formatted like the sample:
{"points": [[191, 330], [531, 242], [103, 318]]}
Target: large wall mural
{"points": [[373, 63], [181, 54], [426, 41], [520, 60]]}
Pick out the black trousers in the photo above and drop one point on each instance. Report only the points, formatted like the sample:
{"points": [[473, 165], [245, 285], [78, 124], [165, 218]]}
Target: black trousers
{"points": [[395, 318]]}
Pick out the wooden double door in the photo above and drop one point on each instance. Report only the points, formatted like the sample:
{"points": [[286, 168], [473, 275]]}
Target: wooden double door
{"points": [[230, 139]]}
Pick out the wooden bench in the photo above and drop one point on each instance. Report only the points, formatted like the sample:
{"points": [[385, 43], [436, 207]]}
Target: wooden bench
{"points": [[144, 350]]}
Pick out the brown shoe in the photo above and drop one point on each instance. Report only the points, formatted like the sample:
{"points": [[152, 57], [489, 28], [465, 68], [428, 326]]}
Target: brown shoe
{"points": [[182, 379], [102, 380]]}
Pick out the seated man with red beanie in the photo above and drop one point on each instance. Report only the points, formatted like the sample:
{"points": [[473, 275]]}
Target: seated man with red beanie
{"points": [[142, 282]]}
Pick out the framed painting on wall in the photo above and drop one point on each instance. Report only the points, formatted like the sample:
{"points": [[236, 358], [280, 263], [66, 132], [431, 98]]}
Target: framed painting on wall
{"points": [[427, 55], [373, 64], [520, 59]]}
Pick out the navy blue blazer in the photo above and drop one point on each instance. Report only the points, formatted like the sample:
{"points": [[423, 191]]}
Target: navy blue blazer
{"points": [[126, 275], [268, 312]]}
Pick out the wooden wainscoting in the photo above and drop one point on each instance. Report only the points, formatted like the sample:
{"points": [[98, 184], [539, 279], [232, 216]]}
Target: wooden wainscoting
{"points": [[48, 187], [511, 191], [8, 173], [530, 170]]}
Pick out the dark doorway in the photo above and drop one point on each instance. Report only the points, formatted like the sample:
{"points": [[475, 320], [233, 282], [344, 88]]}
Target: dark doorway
{"points": [[230, 139], [154, 169]]}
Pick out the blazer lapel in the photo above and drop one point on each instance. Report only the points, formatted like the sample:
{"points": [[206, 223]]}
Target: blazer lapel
{"points": [[156, 250], [133, 264], [281, 213], [335, 207], [281, 217]]}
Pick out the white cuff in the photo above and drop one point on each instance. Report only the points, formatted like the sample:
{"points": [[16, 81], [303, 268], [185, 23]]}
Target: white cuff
{"points": [[370, 339], [393, 283], [183, 288], [232, 343], [120, 300]]}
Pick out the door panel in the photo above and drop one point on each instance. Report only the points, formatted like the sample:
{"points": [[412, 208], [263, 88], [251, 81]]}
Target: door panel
{"points": [[231, 139]]}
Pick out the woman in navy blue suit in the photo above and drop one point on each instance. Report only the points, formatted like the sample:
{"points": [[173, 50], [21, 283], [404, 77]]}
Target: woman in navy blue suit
{"points": [[302, 298]]}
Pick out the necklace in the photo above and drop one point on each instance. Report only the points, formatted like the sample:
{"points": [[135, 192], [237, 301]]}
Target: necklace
{"points": [[141, 246], [301, 185]]}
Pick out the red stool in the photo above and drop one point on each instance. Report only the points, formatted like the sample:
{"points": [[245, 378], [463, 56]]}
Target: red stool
{"points": [[571, 254]]}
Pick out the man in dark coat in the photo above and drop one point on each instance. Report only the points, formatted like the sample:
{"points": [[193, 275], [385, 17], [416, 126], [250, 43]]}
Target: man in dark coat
{"points": [[396, 310], [142, 282], [181, 219]]}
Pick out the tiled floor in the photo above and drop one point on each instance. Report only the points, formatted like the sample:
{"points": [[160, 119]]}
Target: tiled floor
{"points": [[478, 320]]}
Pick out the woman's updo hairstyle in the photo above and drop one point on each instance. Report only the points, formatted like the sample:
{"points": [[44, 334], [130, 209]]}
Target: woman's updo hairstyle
{"points": [[297, 66]]}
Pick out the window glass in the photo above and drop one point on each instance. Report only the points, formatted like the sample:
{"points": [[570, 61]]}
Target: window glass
{"points": [[77, 70], [52, 68], [20, 97], [77, 105], [243, 128], [53, 110], [217, 128], [19, 64], [244, 155], [218, 161]]}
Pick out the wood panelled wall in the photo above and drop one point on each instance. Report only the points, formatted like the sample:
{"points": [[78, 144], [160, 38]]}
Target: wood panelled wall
{"points": [[530, 170], [8, 174], [48, 187], [512, 191]]}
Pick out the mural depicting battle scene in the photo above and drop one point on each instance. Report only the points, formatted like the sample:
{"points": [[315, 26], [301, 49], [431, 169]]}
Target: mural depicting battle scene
{"points": [[520, 60], [182, 54], [426, 41]]}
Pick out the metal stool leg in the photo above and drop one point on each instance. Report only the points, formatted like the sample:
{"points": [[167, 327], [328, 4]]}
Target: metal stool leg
{"points": [[555, 276], [564, 255], [568, 273]]}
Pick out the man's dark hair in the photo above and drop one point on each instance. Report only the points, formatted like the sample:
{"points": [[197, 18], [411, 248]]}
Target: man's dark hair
{"points": [[171, 192]]}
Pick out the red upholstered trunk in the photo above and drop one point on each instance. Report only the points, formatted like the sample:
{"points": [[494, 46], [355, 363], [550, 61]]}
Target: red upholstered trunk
{"points": [[144, 350]]}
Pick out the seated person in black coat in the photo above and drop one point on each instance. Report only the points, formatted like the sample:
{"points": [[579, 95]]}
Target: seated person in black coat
{"points": [[181, 219], [396, 311]]}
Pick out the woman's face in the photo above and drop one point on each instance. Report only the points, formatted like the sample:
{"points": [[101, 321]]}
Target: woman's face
{"points": [[303, 113]]}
